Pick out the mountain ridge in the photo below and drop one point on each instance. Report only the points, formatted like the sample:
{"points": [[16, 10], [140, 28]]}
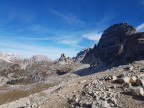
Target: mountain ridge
{"points": [[114, 44]]}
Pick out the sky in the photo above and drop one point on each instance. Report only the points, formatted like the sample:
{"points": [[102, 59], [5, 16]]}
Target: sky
{"points": [[52, 27]]}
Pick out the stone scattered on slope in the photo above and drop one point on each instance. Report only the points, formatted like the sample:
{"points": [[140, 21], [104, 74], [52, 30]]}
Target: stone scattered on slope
{"points": [[94, 96], [137, 91]]}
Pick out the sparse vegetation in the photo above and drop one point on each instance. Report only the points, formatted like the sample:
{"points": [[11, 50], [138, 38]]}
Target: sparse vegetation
{"points": [[12, 95]]}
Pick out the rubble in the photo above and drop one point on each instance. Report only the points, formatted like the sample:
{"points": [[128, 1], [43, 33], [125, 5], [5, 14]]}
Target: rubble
{"points": [[140, 82], [94, 96]]}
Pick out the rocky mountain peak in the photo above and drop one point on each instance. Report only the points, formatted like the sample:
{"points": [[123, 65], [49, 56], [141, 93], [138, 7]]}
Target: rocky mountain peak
{"points": [[116, 33], [39, 58], [120, 43], [79, 57], [120, 28], [65, 60], [62, 57]]}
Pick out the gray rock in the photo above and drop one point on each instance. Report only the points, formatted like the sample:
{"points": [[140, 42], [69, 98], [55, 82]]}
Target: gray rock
{"points": [[34, 105], [94, 96], [65, 60], [142, 70], [79, 57], [119, 44], [110, 77]]}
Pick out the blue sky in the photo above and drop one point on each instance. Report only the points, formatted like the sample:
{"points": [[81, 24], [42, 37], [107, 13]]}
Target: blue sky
{"points": [[52, 27]]}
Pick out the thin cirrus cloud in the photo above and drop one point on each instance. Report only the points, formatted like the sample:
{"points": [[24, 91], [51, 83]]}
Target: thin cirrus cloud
{"points": [[15, 45], [59, 40], [38, 28], [51, 52], [35, 38], [69, 18], [94, 36], [35, 29], [75, 42], [69, 42], [140, 27], [28, 50]]}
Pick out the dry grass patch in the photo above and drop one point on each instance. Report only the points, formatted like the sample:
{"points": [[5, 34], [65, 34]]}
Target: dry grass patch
{"points": [[12, 95], [40, 87], [17, 94]]}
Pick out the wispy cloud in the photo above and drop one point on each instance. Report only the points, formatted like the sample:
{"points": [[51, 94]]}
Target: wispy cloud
{"points": [[94, 36], [36, 38], [62, 40], [35, 29], [51, 52], [27, 50], [15, 45], [140, 27], [69, 18], [58, 39], [69, 40], [52, 46]]}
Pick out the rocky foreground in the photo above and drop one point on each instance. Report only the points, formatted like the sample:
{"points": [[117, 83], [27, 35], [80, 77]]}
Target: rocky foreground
{"points": [[110, 75], [118, 87]]}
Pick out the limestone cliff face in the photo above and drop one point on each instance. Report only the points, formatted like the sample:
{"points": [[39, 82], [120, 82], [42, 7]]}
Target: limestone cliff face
{"points": [[79, 57], [134, 47], [39, 58], [119, 43], [65, 60]]}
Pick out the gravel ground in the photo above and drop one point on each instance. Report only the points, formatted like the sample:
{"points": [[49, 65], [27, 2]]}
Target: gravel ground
{"points": [[72, 85]]}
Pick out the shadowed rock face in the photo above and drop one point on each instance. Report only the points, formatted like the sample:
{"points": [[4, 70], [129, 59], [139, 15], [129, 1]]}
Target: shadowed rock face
{"points": [[65, 60], [81, 54], [134, 47], [62, 58], [119, 43], [113, 40]]}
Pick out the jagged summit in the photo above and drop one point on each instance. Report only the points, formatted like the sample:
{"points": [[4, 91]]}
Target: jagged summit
{"points": [[79, 57], [65, 60], [116, 32], [38, 58], [120, 27], [62, 57], [119, 43]]}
